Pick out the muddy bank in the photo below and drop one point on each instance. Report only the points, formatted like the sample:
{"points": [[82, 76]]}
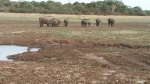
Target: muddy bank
{"points": [[63, 63], [63, 50], [44, 41]]}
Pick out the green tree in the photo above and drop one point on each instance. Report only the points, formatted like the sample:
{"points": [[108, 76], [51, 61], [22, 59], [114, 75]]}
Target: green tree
{"points": [[26, 5], [36, 4], [138, 11], [147, 12], [105, 9], [99, 7]]}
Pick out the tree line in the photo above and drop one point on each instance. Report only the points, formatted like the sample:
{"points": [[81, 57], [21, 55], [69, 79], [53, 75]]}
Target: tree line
{"points": [[106, 7]]}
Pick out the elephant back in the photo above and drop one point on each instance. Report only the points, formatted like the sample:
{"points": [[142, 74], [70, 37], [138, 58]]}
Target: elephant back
{"points": [[111, 20], [43, 20], [54, 22], [56, 19], [84, 21], [97, 20]]}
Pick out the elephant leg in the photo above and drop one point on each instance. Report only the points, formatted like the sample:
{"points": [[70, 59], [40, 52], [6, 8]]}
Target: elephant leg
{"points": [[109, 23], [47, 25], [97, 24], [57, 25], [65, 25], [53, 25], [41, 24], [85, 25], [89, 24]]}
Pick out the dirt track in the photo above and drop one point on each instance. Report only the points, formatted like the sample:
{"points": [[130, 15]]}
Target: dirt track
{"points": [[72, 60]]}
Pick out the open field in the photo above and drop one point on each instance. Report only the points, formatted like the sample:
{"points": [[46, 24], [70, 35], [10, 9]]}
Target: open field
{"points": [[73, 18], [74, 54]]}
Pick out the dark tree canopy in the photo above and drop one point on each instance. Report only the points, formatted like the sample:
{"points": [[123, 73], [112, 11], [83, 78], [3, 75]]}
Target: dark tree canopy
{"points": [[106, 7]]}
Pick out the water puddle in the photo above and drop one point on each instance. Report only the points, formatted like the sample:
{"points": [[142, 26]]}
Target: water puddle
{"points": [[33, 49], [7, 50]]}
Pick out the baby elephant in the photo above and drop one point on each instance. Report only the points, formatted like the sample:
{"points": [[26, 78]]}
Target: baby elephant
{"points": [[58, 20], [54, 22], [111, 22], [44, 21]]}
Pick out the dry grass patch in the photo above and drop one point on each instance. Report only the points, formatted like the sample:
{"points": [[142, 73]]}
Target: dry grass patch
{"points": [[72, 18]]}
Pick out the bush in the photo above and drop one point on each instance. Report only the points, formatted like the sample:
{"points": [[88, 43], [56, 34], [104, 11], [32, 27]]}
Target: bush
{"points": [[20, 10], [105, 7]]}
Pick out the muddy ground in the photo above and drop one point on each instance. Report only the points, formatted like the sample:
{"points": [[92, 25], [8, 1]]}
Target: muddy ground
{"points": [[72, 60]]}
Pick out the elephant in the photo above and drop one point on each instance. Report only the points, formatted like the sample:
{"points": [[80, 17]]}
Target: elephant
{"points": [[98, 21], [111, 22], [66, 22], [89, 23], [54, 22], [84, 22], [43, 20], [58, 20]]}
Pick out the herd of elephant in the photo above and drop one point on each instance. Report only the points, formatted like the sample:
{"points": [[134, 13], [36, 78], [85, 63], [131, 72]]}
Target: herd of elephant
{"points": [[54, 22]]}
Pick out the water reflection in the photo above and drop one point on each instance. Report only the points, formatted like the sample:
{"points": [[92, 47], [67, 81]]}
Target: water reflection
{"points": [[34, 49], [7, 50]]}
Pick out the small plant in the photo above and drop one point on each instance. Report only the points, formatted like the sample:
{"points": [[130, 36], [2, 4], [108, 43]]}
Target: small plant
{"points": [[44, 60]]}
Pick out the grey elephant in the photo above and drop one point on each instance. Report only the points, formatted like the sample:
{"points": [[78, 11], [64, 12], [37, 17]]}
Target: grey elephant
{"points": [[111, 22], [56, 19], [66, 22], [43, 20], [54, 22], [98, 21], [85, 22], [89, 23]]}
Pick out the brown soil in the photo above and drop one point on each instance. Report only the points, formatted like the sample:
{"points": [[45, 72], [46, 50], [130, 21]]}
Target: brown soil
{"points": [[72, 60]]}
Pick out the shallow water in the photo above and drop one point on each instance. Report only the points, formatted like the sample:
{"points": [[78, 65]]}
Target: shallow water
{"points": [[7, 50]]}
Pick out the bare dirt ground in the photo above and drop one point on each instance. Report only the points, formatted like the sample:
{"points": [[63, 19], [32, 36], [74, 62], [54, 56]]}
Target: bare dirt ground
{"points": [[72, 60]]}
